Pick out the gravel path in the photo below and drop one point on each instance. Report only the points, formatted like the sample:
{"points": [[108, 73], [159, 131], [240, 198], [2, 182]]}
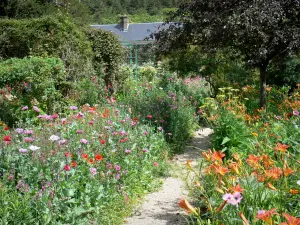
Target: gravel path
{"points": [[161, 207]]}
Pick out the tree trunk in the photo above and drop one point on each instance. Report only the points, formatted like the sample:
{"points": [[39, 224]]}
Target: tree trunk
{"points": [[263, 85]]}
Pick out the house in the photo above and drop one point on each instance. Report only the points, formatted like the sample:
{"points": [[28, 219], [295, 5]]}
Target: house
{"points": [[132, 34]]}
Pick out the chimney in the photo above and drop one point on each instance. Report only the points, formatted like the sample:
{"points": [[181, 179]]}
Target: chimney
{"points": [[124, 23]]}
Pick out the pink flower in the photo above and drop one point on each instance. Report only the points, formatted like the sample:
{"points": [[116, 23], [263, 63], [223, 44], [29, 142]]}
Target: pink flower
{"points": [[28, 131], [28, 139], [296, 113], [67, 154], [67, 168], [145, 150], [160, 128], [117, 167], [36, 109], [233, 199], [84, 141], [127, 151], [91, 122], [93, 171], [123, 133], [72, 107], [55, 116], [79, 131], [155, 164], [24, 108]]}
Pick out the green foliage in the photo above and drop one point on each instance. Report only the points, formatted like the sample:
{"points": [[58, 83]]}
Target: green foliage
{"points": [[47, 36], [257, 31], [29, 81], [285, 72], [107, 55]]}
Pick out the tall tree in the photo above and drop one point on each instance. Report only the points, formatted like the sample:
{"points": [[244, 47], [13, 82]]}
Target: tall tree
{"points": [[257, 30]]}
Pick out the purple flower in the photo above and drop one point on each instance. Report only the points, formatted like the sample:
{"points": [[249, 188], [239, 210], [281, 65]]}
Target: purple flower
{"points": [[24, 108], [114, 133], [91, 122], [145, 150], [36, 109], [23, 150], [62, 141], [118, 176], [19, 130], [259, 212], [72, 107], [296, 113], [117, 167], [84, 141], [93, 171]]}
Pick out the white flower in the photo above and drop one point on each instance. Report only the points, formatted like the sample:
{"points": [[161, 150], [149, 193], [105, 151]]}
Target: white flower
{"points": [[34, 148], [54, 138], [298, 182]]}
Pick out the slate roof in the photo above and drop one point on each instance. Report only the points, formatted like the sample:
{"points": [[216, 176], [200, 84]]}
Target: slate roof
{"points": [[136, 33]]}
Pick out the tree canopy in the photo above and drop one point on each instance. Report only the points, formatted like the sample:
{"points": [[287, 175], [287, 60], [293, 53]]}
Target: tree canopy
{"points": [[255, 30]]}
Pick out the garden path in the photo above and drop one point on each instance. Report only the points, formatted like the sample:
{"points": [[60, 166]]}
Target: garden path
{"points": [[161, 207]]}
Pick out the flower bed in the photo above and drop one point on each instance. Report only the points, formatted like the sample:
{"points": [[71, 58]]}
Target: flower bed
{"points": [[82, 167]]}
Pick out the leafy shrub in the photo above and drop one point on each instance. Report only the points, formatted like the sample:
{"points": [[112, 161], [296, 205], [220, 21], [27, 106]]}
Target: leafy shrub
{"points": [[108, 55], [29, 81], [166, 109], [147, 72], [47, 36]]}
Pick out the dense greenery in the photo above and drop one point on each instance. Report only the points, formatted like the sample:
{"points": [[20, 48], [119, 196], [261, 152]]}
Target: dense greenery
{"points": [[90, 11], [255, 31], [108, 54], [29, 81], [48, 37]]}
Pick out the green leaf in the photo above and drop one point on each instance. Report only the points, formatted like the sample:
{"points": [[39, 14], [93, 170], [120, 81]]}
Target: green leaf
{"points": [[225, 140]]}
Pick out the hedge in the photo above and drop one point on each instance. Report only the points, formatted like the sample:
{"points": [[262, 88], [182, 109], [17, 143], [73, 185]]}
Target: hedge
{"points": [[49, 36]]}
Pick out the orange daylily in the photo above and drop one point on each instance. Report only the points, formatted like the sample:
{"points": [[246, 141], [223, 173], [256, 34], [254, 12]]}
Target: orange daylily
{"points": [[270, 186], [237, 188], [187, 206], [188, 164], [237, 158], [207, 155], [217, 156], [266, 215], [253, 160], [294, 191], [274, 173], [267, 161], [281, 147], [234, 167], [290, 220], [221, 170]]}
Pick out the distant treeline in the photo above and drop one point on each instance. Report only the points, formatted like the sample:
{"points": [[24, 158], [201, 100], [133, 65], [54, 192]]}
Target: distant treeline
{"points": [[90, 11]]}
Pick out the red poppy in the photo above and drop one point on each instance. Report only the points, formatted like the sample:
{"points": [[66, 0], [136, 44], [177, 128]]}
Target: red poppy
{"points": [[7, 138], [67, 168], [135, 119], [102, 142], [6, 128], [149, 116], [73, 164], [98, 157], [67, 154], [84, 155], [91, 161]]}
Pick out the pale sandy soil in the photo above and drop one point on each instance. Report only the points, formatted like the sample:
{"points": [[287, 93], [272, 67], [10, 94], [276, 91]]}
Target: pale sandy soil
{"points": [[161, 207]]}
